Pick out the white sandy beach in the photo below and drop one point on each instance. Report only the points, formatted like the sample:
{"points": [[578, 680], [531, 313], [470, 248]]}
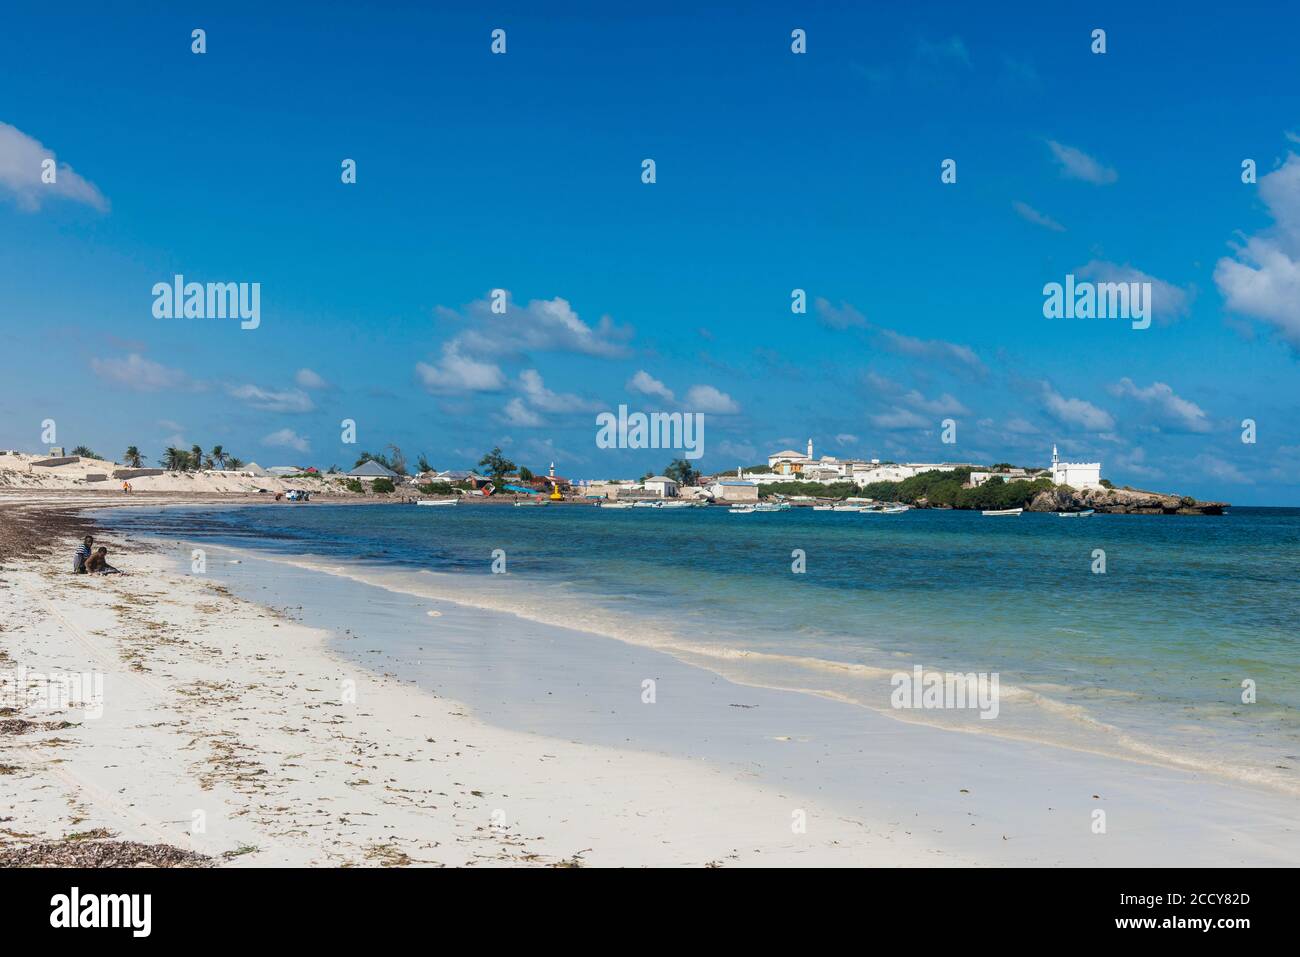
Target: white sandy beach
{"points": [[216, 706], [220, 705]]}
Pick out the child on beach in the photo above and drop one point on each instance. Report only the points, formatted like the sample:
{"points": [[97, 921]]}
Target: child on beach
{"points": [[80, 556], [97, 564]]}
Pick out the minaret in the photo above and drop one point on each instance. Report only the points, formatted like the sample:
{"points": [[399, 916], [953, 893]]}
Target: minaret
{"points": [[810, 449], [551, 473], [1055, 458]]}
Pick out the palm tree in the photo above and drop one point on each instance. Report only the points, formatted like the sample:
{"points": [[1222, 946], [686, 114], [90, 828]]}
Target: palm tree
{"points": [[132, 457], [233, 463], [174, 460], [196, 457], [218, 456]]}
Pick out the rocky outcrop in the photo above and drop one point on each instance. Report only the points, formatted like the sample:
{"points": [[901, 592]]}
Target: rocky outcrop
{"points": [[1124, 501]]}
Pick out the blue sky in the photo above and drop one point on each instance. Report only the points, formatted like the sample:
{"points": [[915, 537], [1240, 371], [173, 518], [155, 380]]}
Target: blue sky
{"points": [[775, 171]]}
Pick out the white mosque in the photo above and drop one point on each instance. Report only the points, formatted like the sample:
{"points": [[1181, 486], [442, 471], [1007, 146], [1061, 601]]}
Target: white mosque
{"points": [[1075, 474]]}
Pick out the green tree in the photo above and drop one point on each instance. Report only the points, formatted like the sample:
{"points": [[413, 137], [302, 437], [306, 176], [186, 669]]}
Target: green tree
{"points": [[525, 474], [174, 459], [497, 465], [85, 452], [196, 457], [132, 457], [396, 461], [383, 486], [422, 463], [682, 472], [233, 463], [218, 456]]}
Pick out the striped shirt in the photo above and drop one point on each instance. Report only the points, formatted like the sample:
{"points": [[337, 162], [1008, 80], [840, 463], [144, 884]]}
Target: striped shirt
{"points": [[79, 559]]}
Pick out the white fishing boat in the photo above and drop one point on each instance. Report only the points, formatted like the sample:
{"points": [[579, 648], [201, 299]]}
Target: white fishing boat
{"points": [[766, 507], [614, 504], [887, 510], [438, 501], [823, 508], [1002, 511], [847, 508], [647, 504], [527, 503], [1084, 514], [676, 504], [742, 509]]}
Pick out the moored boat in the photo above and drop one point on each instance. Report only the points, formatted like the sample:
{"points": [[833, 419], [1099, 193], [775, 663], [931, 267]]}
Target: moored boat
{"points": [[438, 501], [1002, 511], [1083, 514]]}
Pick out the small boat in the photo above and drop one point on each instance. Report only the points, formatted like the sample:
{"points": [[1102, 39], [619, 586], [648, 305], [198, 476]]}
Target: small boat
{"points": [[614, 504], [823, 508], [676, 504], [742, 509], [438, 501], [646, 504], [531, 504], [847, 508], [887, 510], [765, 507], [1084, 514], [1002, 511]]}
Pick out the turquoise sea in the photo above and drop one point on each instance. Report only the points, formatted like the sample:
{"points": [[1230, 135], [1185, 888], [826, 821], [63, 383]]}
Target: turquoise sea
{"points": [[1145, 661]]}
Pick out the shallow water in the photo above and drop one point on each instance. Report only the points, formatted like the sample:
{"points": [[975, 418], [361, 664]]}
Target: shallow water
{"points": [[1146, 660]]}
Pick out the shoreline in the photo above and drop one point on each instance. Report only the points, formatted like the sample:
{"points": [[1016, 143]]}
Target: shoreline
{"points": [[927, 796], [209, 711]]}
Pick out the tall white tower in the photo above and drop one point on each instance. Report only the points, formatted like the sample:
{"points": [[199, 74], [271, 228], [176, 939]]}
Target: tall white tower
{"points": [[551, 473], [1056, 459], [810, 449]]}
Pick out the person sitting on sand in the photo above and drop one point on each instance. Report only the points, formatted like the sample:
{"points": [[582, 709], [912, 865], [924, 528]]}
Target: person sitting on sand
{"points": [[97, 564], [82, 553]]}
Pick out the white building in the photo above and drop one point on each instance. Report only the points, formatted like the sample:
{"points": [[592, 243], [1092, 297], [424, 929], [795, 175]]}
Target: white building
{"points": [[735, 490], [1007, 475], [1075, 474], [790, 462], [661, 485], [865, 474]]}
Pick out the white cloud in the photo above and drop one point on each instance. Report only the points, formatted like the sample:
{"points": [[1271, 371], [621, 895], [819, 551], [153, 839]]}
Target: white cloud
{"points": [[1168, 406], [455, 373], [1221, 469], [517, 413], [535, 391], [705, 398], [1029, 214], [308, 379], [846, 438], [739, 451], [286, 439], [958, 356], [270, 400], [1079, 165], [912, 399], [20, 174], [843, 316], [1077, 412], [1263, 281], [543, 325], [899, 419], [1168, 302], [139, 374], [647, 384]]}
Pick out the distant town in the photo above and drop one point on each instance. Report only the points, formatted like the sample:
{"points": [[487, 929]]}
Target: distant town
{"points": [[789, 476]]}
